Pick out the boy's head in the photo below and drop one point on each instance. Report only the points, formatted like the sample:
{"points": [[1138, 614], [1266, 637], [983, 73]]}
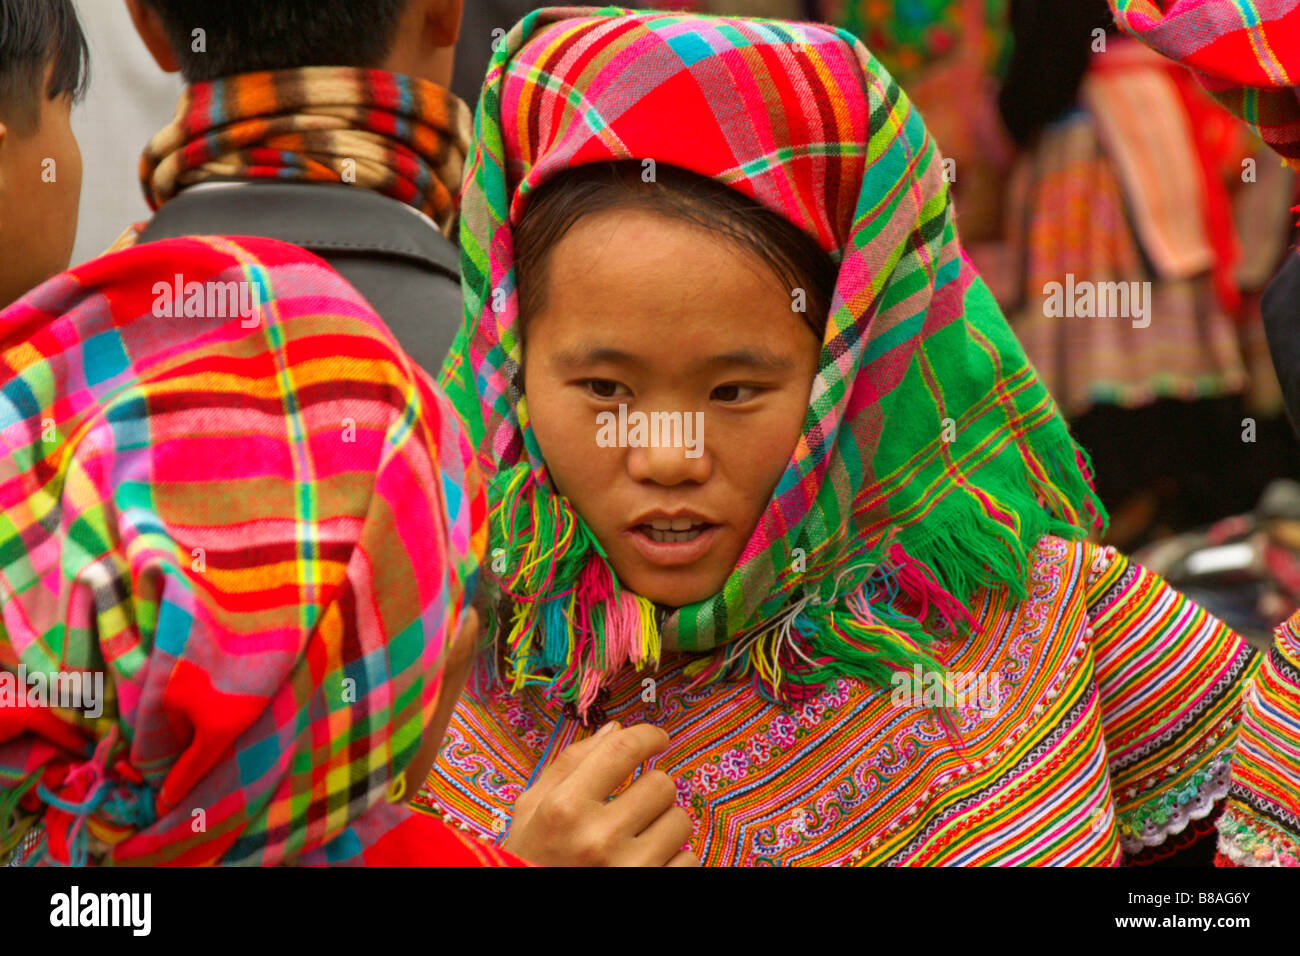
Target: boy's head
{"points": [[43, 71], [210, 39], [680, 296]]}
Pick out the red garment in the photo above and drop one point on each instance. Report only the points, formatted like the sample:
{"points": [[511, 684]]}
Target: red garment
{"points": [[1247, 57], [418, 840]]}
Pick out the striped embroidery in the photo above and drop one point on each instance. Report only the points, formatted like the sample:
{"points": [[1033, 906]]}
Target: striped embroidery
{"points": [[1261, 825], [1083, 763]]}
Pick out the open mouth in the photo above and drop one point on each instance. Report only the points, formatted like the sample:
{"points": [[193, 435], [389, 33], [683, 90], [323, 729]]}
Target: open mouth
{"points": [[673, 531], [673, 541]]}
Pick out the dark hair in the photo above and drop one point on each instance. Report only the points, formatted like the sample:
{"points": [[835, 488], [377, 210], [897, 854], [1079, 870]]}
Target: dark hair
{"points": [[791, 254], [1050, 54], [246, 36], [35, 34]]}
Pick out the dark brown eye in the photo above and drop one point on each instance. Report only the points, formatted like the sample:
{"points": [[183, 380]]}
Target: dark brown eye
{"points": [[731, 394], [602, 388]]}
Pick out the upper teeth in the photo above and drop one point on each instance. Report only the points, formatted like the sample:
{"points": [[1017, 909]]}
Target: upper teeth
{"points": [[672, 524]]}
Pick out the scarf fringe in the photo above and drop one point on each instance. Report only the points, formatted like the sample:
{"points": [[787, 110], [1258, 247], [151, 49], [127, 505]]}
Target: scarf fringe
{"points": [[878, 611], [971, 546], [14, 824], [568, 613], [857, 630]]}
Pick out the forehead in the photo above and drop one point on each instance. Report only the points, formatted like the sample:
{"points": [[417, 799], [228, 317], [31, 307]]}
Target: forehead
{"points": [[634, 274]]}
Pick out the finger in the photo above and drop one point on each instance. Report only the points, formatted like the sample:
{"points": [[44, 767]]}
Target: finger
{"points": [[463, 645], [456, 669], [663, 840], [684, 858], [612, 760], [569, 759], [651, 796]]}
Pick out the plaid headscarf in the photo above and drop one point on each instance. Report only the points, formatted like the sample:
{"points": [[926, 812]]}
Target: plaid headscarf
{"points": [[398, 135], [896, 524], [1245, 52], [258, 528]]}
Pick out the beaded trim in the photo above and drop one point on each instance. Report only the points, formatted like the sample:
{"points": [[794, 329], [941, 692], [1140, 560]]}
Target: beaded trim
{"points": [[1101, 562], [500, 822], [1247, 840], [1160, 818]]}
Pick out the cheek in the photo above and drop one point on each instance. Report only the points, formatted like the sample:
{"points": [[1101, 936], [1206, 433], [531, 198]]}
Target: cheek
{"points": [[548, 421], [70, 175], [757, 452], [565, 428], [57, 142], [55, 211], [78, 166]]}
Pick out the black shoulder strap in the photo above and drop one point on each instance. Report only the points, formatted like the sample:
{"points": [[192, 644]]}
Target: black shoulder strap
{"points": [[1281, 308], [407, 270]]}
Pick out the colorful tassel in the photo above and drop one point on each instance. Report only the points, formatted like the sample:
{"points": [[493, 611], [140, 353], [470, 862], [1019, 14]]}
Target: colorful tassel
{"points": [[571, 623], [868, 614]]}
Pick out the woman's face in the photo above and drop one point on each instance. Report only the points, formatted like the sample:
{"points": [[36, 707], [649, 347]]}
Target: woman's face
{"points": [[662, 316]]}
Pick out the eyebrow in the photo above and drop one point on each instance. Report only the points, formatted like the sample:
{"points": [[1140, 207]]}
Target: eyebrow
{"points": [[751, 358]]}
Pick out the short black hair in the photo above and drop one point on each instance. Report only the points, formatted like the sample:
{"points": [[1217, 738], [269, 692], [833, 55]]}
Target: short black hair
{"points": [[251, 36], [33, 35], [791, 254]]}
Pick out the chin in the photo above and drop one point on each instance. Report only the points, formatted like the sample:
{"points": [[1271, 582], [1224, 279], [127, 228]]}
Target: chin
{"points": [[672, 590]]}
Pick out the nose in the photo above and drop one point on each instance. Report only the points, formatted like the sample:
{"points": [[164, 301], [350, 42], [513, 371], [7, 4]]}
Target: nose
{"points": [[669, 466]]}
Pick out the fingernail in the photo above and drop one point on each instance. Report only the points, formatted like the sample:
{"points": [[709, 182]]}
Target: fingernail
{"points": [[612, 725]]}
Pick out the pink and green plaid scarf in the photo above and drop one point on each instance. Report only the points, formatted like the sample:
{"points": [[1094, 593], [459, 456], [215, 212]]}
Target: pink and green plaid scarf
{"points": [[1245, 52], [229, 495], [881, 527]]}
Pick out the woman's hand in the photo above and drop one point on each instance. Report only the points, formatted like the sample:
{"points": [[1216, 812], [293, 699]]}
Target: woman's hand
{"points": [[567, 819]]}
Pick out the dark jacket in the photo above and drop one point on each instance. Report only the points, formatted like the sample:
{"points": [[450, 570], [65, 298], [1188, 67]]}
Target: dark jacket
{"points": [[1281, 307], [394, 255]]}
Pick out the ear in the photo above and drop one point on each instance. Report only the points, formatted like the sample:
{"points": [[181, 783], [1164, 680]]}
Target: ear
{"points": [[444, 18], [151, 30], [425, 43]]}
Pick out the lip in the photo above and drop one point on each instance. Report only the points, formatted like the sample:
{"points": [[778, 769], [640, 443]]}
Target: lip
{"points": [[670, 516], [677, 553]]}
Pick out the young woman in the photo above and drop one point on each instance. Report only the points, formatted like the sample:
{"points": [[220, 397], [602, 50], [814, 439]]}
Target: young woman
{"points": [[233, 550], [856, 597]]}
